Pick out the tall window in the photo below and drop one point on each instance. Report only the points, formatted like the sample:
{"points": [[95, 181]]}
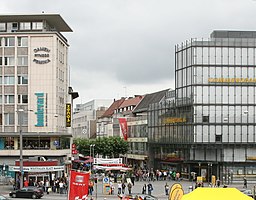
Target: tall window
{"points": [[23, 80], [8, 118], [22, 41], [37, 25], [9, 61], [22, 98], [25, 25], [2, 27], [23, 60], [1, 99], [9, 80], [9, 41], [8, 99]]}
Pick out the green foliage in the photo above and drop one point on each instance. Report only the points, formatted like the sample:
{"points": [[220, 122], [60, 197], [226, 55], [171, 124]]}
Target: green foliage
{"points": [[106, 146]]}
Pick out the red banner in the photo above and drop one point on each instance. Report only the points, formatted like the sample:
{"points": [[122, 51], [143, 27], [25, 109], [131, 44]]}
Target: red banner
{"points": [[124, 127], [78, 186]]}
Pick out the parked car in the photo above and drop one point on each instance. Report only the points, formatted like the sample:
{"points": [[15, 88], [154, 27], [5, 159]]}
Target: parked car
{"points": [[3, 197], [137, 196], [26, 192]]}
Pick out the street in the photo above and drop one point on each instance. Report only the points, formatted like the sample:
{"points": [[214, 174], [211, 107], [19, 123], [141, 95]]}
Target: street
{"points": [[137, 188]]}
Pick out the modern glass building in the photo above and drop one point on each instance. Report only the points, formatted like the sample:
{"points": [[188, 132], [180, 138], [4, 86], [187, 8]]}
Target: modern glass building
{"points": [[209, 127]]}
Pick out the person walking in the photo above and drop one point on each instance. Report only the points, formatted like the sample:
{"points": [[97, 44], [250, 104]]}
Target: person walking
{"points": [[129, 187], [144, 188], [47, 186], [150, 188], [123, 187], [166, 187], [91, 184], [119, 188], [245, 182]]}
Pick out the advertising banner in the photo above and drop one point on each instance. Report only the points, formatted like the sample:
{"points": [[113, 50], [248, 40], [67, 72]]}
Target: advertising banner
{"points": [[124, 127], [78, 185]]}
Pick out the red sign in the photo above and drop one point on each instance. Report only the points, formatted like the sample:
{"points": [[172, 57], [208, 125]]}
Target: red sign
{"points": [[124, 128], [74, 150], [78, 185]]}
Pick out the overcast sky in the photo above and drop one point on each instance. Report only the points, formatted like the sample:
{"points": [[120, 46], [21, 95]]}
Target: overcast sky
{"points": [[126, 47]]}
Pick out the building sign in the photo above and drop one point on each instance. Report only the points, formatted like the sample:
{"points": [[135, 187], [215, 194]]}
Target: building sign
{"points": [[99, 161], [124, 127], [41, 55], [37, 168], [173, 120], [68, 115], [40, 109], [232, 80]]}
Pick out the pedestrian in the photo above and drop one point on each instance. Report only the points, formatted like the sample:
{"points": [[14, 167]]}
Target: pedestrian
{"points": [[129, 187], [91, 184], [123, 187], [150, 188], [166, 187], [47, 186], [218, 182], [245, 182], [119, 188], [144, 188], [61, 186]]}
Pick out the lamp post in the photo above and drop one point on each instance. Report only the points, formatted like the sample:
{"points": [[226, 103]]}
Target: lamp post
{"points": [[91, 154], [20, 112]]}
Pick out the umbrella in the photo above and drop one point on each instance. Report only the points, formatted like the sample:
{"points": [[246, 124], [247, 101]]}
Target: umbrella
{"points": [[216, 194]]}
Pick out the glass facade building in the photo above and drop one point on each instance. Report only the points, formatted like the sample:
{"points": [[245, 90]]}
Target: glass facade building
{"points": [[209, 127]]}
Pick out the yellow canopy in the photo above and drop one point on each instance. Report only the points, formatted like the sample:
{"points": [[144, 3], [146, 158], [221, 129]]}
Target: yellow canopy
{"points": [[216, 194]]}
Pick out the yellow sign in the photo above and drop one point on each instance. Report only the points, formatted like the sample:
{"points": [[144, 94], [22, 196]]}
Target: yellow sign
{"points": [[213, 180], [68, 115], [173, 120], [232, 80], [176, 192]]}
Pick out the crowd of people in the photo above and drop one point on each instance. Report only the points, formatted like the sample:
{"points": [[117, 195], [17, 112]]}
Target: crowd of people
{"points": [[58, 185]]}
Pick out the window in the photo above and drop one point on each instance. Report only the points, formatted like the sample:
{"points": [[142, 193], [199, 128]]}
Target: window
{"points": [[8, 118], [205, 118], [8, 99], [2, 26], [9, 80], [37, 25], [23, 80], [9, 61], [25, 25], [1, 80], [1, 99], [218, 138], [9, 41], [1, 39], [22, 98], [22, 41], [23, 60]]}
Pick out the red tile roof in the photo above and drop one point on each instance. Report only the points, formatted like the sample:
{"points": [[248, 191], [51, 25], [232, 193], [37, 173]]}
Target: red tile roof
{"points": [[131, 101], [115, 105]]}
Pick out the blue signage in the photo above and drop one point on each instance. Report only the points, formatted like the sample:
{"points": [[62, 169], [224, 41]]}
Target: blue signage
{"points": [[40, 109]]}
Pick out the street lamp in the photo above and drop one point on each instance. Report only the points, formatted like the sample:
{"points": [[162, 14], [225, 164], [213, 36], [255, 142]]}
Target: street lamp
{"points": [[20, 112], [91, 154]]}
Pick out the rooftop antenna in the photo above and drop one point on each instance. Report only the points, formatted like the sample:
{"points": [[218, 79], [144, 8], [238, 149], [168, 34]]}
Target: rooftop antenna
{"points": [[125, 91]]}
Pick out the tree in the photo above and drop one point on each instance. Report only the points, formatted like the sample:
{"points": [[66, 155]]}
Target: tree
{"points": [[106, 146]]}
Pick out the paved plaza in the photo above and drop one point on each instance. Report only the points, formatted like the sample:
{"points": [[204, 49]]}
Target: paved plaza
{"points": [[158, 191]]}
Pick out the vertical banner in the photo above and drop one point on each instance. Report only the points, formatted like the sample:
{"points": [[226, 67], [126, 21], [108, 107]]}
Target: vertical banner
{"points": [[124, 127], [78, 185], [68, 115]]}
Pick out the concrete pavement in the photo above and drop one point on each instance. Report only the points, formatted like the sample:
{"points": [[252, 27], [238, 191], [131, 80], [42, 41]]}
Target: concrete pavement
{"points": [[158, 191]]}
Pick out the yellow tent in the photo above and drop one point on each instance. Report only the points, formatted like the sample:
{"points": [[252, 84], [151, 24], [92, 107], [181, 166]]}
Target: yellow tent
{"points": [[216, 194]]}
